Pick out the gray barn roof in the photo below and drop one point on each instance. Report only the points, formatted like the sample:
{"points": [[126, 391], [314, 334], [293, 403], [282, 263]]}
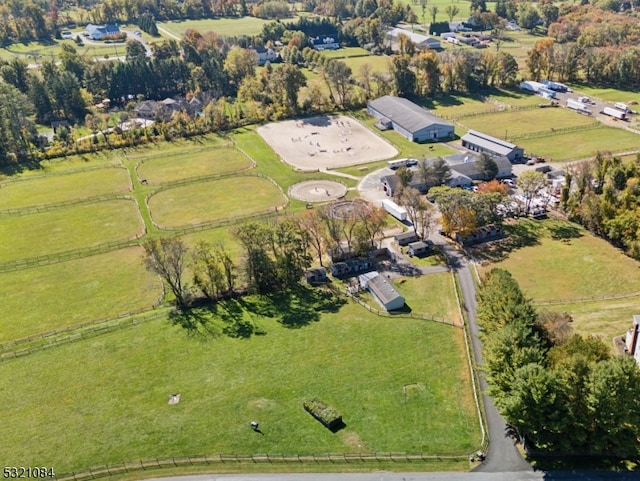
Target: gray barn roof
{"points": [[471, 169], [499, 146], [406, 114], [383, 289]]}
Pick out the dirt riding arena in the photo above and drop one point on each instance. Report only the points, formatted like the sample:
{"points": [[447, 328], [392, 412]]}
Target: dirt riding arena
{"points": [[325, 142], [318, 190]]}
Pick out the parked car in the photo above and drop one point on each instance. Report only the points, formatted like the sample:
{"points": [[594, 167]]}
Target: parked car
{"points": [[66, 34], [137, 33]]}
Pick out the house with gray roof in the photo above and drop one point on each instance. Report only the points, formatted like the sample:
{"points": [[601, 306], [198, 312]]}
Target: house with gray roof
{"points": [[383, 291], [479, 142], [410, 120], [422, 42]]}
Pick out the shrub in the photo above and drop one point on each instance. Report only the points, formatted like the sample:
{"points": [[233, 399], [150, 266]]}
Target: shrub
{"points": [[328, 416]]}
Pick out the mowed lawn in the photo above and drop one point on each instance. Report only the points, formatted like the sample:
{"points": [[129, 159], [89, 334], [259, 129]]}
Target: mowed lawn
{"points": [[215, 200], [522, 122], [68, 228], [194, 146], [431, 294], [570, 268], [224, 27], [192, 165], [54, 189], [582, 144], [68, 293], [104, 400], [605, 319]]}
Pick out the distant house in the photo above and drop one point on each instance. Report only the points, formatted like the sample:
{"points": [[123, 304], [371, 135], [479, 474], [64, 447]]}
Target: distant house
{"points": [[391, 183], [419, 249], [316, 276], [481, 234], [325, 42], [422, 42], [383, 291], [479, 142], [350, 267], [632, 341], [406, 238], [98, 32], [471, 169], [409, 120], [265, 54]]}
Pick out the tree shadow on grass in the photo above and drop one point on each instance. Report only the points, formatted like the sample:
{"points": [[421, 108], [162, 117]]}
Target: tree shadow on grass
{"points": [[563, 231], [195, 321], [519, 234], [303, 305]]}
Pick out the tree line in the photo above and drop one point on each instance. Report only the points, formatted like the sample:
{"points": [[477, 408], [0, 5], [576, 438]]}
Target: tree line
{"points": [[603, 195], [275, 253], [562, 392]]}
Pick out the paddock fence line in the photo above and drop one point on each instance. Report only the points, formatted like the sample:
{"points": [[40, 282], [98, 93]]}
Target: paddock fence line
{"points": [[409, 315], [221, 459], [496, 110], [578, 300], [144, 158], [553, 131], [59, 205], [108, 165], [55, 258], [77, 334]]}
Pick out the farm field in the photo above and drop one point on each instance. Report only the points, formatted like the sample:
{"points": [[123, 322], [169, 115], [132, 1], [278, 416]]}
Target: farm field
{"points": [[525, 122], [55, 189], [68, 228], [346, 52], [189, 165], [431, 294], [608, 94], [580, 264], [378, 64], [36, 52], [114, 408], [65, 294], [581, 144], [209, 201], [224, 27]]}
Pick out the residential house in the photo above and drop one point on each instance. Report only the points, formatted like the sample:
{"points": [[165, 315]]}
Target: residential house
{"points": [[383, 291], [325, 42], [420, 248], [98, 32], [481, 234], [406, 238], [265, 54], [422, 42]]}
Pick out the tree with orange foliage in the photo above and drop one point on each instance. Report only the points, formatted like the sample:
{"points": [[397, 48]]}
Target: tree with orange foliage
{"points": [[494, 186]]}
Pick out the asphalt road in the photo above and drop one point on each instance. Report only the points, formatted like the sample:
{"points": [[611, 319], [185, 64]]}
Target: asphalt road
{"points": [[502, 455]]}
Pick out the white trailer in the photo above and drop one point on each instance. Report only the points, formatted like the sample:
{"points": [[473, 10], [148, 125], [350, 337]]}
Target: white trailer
{"points": [[623, 107], [396, 164], [611, 112], [394, 209], [578, 106]]}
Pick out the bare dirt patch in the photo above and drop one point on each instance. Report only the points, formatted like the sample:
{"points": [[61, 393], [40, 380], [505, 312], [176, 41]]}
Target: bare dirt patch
{"points": [[317, 190], [325, 142]]}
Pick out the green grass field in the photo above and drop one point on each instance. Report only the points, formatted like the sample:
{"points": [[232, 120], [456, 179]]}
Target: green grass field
{"points": [[68, 228], [214, 200], [54, 189], [64, 294], [346, 52], [608, 94], [580, 265], [515, 124], [581, 144], [115, 387], [377, 63], [224, 27], [177, 147], [430, 294], [192, 165]]}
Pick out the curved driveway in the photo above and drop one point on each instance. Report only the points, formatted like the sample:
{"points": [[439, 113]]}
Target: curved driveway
{"points": [[502, 455]]}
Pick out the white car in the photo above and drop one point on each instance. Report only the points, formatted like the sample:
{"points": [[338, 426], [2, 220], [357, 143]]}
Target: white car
{"points": [[66, 34]]}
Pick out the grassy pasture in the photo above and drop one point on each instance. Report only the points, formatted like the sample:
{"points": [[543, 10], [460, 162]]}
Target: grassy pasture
{"points": [[192, 145], [346, 52], [605, 319], [68, 293], [214, 200], [68, 228], [378, 64], [430, 294], [580, 264], [193, 164], [526, 121], [52, 189], [581, 144], [608, 94], [224, 27], [115, 387]]}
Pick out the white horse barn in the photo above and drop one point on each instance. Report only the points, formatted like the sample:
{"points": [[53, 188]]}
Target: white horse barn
{"points": [[422, 42], [409, 120]]}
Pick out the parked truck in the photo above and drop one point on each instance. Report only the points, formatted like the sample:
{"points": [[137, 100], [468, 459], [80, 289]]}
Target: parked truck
{"points": [[578, 106], [615, 113], [395, 210]]}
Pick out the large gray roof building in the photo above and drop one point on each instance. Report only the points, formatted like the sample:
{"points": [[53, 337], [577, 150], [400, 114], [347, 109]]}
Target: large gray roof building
{"points": [[479, 142], [409, 120], [383, 291]]}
